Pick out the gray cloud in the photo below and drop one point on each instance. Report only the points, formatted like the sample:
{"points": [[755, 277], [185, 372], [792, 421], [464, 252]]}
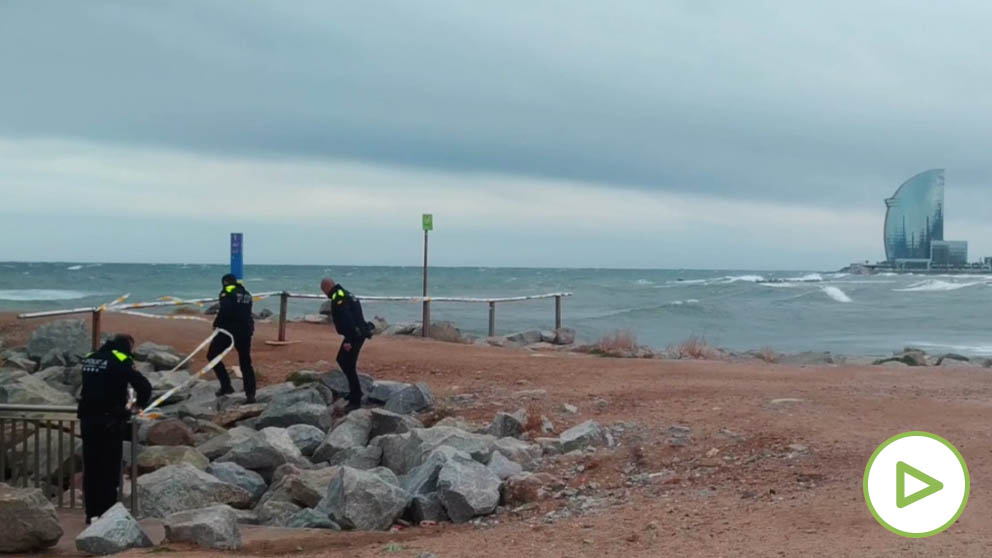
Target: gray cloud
{"points": [[829, 104]]}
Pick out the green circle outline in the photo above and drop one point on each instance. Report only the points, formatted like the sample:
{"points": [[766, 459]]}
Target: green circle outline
{"points": [[964, 467]]}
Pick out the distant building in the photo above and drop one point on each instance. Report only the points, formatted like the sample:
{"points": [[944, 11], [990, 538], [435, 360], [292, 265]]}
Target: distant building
{"points": [[915, 218], [949, 253]]}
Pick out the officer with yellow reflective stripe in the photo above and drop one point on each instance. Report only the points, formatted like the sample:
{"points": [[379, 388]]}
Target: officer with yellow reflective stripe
{"points": [[234, 316], [346, 311], [103, 419]]}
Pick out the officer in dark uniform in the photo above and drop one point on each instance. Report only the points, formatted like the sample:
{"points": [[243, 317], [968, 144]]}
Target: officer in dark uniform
{"points": [[346, 311], [234, 316], [103, 419]]}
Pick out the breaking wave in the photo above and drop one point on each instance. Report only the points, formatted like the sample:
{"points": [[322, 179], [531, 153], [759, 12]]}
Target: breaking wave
{"points": [[836, 294], [936, 286], [32, 295]]}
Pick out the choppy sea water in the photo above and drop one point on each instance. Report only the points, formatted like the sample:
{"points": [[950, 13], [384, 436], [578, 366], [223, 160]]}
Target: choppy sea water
{"points": [[739, 310]]}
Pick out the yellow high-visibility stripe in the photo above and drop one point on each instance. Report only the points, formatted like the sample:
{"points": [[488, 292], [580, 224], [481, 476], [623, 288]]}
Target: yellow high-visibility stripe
{"points": [[120, 356]]}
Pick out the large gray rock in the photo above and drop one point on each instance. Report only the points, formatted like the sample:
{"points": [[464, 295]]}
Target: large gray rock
{"points": [[302, 487], [338, 383], [153, 458], [164, 361], [403, 452], [363, 500], [382, 390], [29, 390], [311, 519], [307, 394], [301, 412], [115, 531], [220, 445], [144, 350], [268, 449], [508, 425], [277, 513], [427, 507], [170, 432], [358, 457], [352, 432], [584, 435], [422, 479], [306, 437], [387, 422], [213, 527], [71, 338], [235, 474], [29, 520], [20, 362], [54, 357], [412, 399], [528, 337], [518, 451], [502, 467], [467, 489], [183, 487], [564, 336]]}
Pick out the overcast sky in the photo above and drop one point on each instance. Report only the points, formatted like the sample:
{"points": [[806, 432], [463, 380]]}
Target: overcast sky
{"points": [[653, 133]]}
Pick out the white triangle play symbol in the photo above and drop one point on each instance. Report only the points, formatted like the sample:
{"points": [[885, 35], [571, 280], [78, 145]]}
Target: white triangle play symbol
{"points": [[914, 485]]}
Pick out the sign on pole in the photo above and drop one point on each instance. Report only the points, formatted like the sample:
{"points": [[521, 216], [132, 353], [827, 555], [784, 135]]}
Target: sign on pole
{"points": [[428, 221], [237, 255]]}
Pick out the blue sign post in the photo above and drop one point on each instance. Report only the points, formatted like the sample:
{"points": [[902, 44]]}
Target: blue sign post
{"points": [[237, 255]]}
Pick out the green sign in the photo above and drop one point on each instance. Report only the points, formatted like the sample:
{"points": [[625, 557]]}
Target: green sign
{"points": [[428, 222]]}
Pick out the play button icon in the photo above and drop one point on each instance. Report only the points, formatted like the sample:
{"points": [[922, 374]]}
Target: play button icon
{"points": [[930, 485], [916, 484]]}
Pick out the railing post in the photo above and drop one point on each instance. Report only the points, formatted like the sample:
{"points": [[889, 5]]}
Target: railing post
{"points": [[283, 309], [96, 329], [558, 312], [134, 468], [426, 327], [492, 319]]}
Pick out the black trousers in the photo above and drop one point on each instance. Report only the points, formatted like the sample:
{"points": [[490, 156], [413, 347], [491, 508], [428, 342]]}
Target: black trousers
{"points": [[242, 344], [103, 449], [348, 361]]}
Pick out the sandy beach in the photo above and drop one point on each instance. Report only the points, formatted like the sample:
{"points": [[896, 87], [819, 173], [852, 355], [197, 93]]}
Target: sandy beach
{"points": [[763, 459]]}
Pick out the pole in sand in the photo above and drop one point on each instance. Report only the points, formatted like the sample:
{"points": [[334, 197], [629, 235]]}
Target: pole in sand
{"points": [[428, 225]]}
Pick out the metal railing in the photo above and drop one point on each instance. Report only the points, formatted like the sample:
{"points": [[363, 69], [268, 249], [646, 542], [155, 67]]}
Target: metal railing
{"points": [[38, 448], [284, 296]]}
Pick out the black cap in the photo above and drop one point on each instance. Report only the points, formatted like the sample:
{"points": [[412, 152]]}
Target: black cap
{"points": [[229, 279]]}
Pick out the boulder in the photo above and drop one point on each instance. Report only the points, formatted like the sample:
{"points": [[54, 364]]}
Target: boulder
{"points": [[316, 319], [162, 360], [239, 413], [337, 382], [29, 390], [528, 337], [301, 412], [518, 451], [406, 328], [170, 432], [422, 479], [21, 362], [403, 452], [71, 338], [363, 500], [564, 336], [387, 422], [311, 393], [427, 507], [54, 357], [265, 314], [467, 489], [410, 400], [812, 358], [442, 331], [303, 377], [508, 425], [953, 359], [589, 433], [266, 450], [214, 527], [144, 350], [526, 488], [235, 474], [909, 356], [183, 487], [502, 467], [115, 531], [306, 437], [311, 519], [153, 458], [302, 487], [352, 432], [48, 462], [220, 445], [363, 458], [29, 520], [382, 390], [277, 513]]}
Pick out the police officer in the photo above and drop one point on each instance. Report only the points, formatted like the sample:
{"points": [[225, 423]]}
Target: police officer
{"points": [[234, 316], [346, 311], [103, 418]]}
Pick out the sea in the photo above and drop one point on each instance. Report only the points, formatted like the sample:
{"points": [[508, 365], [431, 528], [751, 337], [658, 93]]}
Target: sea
{"points": [[789, 311]]}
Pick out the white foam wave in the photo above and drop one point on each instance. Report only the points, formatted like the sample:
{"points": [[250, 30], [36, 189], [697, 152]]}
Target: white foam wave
{"points": [[950, 347], [936, 285], [74, 267], [25, 295], [781, 285], [836, 294], [681, 302], [808, 278], [644, 282], [745, 278]]}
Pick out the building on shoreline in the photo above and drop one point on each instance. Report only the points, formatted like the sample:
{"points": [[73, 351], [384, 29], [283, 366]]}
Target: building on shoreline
{"points": [[913, 233]]}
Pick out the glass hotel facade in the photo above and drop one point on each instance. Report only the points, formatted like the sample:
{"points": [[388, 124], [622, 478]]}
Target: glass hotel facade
{"points": [[915, 218]]}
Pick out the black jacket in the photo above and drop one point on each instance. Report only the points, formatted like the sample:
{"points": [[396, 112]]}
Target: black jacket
{"points": [[234, 314], [346, 311], [106, 375]]}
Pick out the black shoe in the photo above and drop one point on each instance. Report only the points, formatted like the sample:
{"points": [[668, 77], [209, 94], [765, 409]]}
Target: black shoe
{"points": [[249, 399], [224, 391]]}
